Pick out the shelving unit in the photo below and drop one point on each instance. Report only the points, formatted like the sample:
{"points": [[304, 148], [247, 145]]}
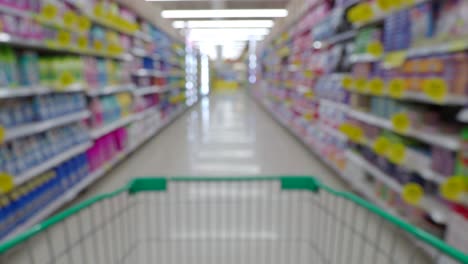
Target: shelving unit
{"points": [[389, 109], [49, 164], [95, 90], [151, 90], [107, 128], [37, 127], [71, 194], [111, 90]]}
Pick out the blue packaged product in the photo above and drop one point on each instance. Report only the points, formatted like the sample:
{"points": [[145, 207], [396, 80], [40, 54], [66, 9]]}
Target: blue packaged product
{"points": [[4, 215], [28, 68], [59, 171]]}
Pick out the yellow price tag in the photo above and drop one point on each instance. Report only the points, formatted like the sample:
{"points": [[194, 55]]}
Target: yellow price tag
{"points": [[403, 3], [66, 79], [309, 95], [344, 128], [394, 59], [360, 85], [353, 132], [365, 11], [376, 86], [435, 88], [397, 88], [99, 10], [309, 74], [401, 122], [375, 49], [49, 11], [69, 19], [63, 38], [353, 15], [83, 23], [412, 193], [396, 153], [82, 42], [356, 134], [7, 182], [347, 82], [308, 116], [453, 188], [98, 45], [2, 134], [385, 5], [381, 145]]}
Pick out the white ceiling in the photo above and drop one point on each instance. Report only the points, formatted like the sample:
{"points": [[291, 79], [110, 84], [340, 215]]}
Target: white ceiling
{"points": [[233, 44]]}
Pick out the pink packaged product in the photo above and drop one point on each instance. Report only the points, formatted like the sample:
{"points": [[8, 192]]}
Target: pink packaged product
{"points": [[121, 138], [97, 118], [10, 24], [91, 71], [127, 14]]}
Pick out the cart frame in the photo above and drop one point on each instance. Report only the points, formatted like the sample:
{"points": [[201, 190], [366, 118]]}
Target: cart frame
{"points": [[304, 183]]}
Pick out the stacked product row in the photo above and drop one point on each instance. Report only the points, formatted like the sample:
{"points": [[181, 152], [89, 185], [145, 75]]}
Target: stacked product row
{"points": [[70, 113], [377, 96]]}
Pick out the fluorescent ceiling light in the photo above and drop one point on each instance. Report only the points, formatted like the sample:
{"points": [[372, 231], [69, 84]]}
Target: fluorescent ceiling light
{"points": [[220, 13], [223, 24], [216, 40], [220, 32]]}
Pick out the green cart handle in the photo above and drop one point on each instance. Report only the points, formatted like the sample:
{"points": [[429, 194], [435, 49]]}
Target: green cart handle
{"points": [[308, 183]]}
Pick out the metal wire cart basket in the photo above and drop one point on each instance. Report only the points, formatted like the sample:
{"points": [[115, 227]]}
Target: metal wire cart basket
{"points": [[269, 220]]}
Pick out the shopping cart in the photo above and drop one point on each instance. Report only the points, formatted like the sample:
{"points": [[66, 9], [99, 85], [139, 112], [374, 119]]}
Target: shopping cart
{"points": [[269, 220]]}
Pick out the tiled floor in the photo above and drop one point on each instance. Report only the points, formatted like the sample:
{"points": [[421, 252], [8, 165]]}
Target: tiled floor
{"points": [[225, 134]]}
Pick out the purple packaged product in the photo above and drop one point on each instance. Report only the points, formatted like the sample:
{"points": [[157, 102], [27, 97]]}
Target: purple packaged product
{"points": [[443, 160], [382, 164], [402, 174]]}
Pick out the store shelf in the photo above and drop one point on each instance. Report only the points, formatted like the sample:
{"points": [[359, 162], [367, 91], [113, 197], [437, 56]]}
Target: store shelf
{"points": [[376, 172], [51, 163], [340, 37], [106, 129], [436, 209], [22, 91], [447, 141], [381, 16], [37, 127], [151, 90], [151, 73], [25, 91], [42, 45], [15, 11], [71, 194], [111, 90], [147, 112], [443, 140], [425, 172], [367, 192], [450, 100], [363, 58]]}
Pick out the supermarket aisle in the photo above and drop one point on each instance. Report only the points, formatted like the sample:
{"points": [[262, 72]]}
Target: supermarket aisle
{"points": [[225, 134]]}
